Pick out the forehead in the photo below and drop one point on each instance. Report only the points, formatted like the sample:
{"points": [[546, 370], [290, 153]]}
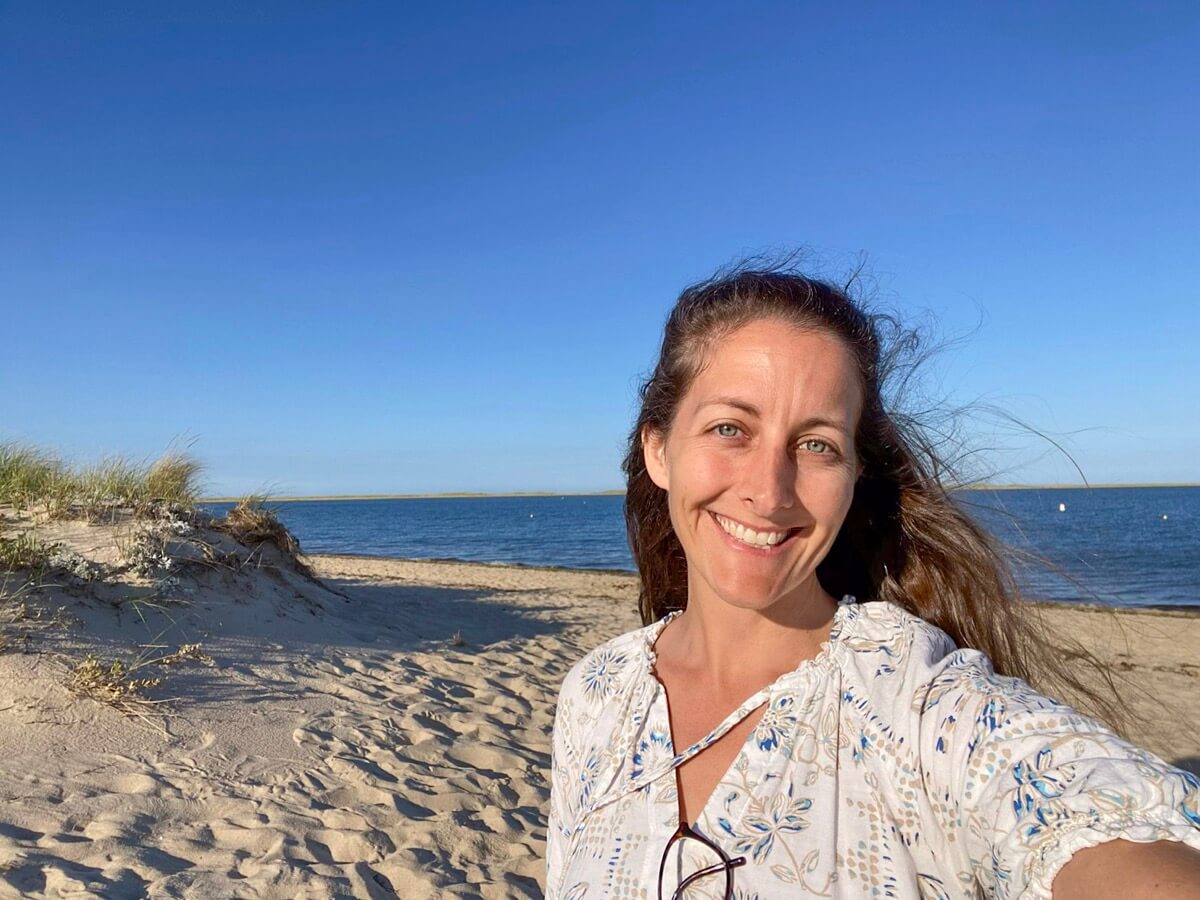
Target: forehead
{"points": [[776, 364]]}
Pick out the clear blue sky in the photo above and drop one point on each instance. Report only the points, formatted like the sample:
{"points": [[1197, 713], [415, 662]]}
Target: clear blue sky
{"points": [[370, 247]]}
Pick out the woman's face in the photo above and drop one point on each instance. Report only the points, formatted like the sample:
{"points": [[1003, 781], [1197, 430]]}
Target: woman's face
{"points": [[759, 465]]}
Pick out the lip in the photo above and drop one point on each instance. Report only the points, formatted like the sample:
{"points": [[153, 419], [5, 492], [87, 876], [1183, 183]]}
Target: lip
{"points": [[733, 542]]}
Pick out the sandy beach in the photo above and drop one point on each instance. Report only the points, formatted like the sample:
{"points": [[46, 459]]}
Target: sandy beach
{"points": [[377, 728]]}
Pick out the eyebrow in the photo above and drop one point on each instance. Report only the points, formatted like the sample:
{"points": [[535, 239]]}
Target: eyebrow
{"points": [[751, 409]]}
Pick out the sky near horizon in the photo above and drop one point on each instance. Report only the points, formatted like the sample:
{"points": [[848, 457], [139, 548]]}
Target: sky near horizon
{"points": [[382, 248]]}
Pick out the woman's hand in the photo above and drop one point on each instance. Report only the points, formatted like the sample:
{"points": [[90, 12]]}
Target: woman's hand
{"points": [[1121, 870]]}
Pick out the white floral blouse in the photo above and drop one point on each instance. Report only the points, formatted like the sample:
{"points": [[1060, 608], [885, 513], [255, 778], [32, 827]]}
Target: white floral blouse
{"points": [[891, 765]]}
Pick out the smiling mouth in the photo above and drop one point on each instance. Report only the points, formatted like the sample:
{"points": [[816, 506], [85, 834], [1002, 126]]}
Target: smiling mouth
{"points": [[747, 537]]}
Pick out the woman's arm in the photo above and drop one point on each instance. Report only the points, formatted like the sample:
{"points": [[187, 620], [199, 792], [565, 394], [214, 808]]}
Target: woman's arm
{"points": [[1051, 803], [1121, 870]]}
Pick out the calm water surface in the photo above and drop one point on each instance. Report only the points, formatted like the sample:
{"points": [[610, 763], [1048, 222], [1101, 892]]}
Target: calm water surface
{"points": [[1123, 546]]}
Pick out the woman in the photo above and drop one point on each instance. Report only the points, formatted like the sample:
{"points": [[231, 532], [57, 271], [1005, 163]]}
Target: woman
{"points": [[768, 735]]}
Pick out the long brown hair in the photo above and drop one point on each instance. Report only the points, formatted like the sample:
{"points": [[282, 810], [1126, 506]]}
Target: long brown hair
{"points": [[904, 539]]}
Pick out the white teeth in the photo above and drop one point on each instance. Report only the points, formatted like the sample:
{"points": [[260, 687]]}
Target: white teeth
{"points": [[749, 536]]}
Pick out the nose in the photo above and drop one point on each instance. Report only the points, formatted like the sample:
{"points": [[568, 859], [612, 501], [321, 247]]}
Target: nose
{"points": [[769, 480]]}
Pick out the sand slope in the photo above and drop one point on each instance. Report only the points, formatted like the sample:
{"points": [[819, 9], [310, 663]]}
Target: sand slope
{"points": [[341, 745]]}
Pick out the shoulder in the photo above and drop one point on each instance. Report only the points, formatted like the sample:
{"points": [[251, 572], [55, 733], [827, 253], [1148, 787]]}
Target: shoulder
{"points": [[603, 699], [608, 670], [950, 707], [901, 663], [893, 650]]}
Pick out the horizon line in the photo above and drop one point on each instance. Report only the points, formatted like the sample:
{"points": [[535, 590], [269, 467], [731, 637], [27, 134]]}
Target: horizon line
{"points": [[450, 495]]}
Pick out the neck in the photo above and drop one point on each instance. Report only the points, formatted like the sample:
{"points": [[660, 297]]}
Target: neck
{"points": [[731, 647]]}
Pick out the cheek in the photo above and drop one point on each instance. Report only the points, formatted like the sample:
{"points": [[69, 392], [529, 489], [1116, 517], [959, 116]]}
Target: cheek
{"points": [[834, 497], [707, 474], [707, 477], [847, 500]]}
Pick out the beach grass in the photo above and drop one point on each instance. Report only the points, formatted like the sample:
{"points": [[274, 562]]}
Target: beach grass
{"points": [[28, 474], [27, 552], [32, 478], [252, 523]]}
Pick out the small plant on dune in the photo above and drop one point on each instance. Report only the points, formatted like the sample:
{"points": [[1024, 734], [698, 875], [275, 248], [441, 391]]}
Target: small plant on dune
{"points": [[145, 550], [176, 518], [75, 565], [252, 522], [111, 683], [27, 552], [185, 652], [110, 484], [122, 685]]}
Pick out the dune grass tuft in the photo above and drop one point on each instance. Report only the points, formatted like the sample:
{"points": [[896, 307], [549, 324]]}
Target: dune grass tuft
{"points": [[252, 523], [173, 478], [33, 478], [27, 552], [28, 474], [114, 480]]}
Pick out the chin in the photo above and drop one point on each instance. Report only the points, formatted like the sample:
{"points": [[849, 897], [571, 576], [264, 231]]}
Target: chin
{"points": [[746, 594]]}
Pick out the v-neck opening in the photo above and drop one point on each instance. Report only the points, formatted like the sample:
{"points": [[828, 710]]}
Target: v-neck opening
{"points": [[704, 743], [739, 714]]}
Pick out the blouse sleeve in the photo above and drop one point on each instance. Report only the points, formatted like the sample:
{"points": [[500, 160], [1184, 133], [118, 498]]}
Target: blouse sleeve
{"points": [[1027, 782], [561, 818]]}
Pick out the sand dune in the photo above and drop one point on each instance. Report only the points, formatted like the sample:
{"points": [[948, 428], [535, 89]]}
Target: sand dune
{"points": [[342, 744]]}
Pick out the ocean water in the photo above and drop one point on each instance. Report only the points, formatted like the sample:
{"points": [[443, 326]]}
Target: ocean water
{"points": [[1120, 546]]}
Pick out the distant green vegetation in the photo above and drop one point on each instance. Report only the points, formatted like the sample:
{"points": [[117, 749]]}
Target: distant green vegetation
{"points": [[33, 478]]}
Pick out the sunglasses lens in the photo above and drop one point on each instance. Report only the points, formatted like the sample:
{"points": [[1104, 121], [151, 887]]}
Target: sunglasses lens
{"points": [[686, 858]]}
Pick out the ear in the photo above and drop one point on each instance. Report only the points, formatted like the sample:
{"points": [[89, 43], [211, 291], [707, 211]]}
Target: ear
{"points": [[654, 451]]}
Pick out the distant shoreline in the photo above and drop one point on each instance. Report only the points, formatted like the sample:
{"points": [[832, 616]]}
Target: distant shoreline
{"points": [[451, 495], [458, 495]]}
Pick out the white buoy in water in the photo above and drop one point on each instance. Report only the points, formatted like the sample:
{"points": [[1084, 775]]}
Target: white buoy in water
{"points": [[1062, 507]]}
